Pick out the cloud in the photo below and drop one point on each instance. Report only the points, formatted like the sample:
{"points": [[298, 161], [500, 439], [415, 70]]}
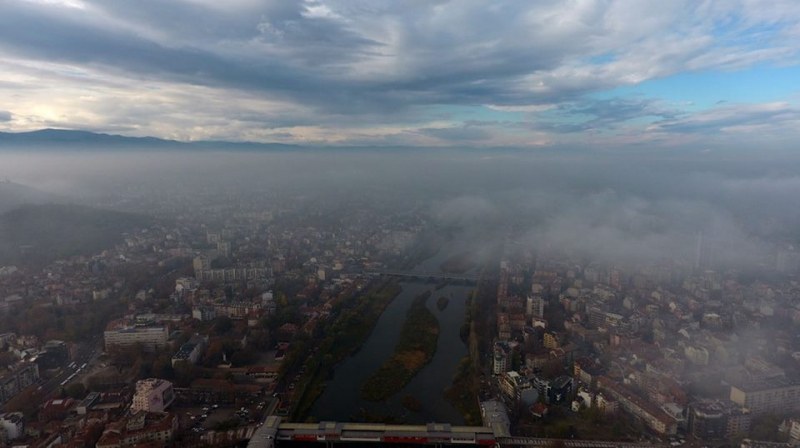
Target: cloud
{"points": [[460, 133], [600, 114], [5, 116], [351, 64], [733, 118], [619, 228]]}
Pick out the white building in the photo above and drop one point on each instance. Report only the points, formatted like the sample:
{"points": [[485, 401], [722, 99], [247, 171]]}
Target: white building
{"points": [[150, 337], [534, 306], [12, 424], [792, 426], [152, 395], [500, 360]]}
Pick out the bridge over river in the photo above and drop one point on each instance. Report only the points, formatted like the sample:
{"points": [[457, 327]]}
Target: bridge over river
{"points": [[428, 275], [274, 433]]}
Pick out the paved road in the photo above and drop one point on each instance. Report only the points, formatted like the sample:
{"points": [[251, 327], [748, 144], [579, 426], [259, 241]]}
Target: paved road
{"points": [[87, 354]]}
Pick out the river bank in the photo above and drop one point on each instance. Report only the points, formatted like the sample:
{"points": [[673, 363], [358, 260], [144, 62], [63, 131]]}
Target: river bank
{"points": [[344, 337], [414, 350], [342, 401]]}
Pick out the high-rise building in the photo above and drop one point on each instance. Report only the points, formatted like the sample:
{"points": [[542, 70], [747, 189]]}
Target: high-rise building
{"points": [[201, 263], [535, 306], [500, 359]]}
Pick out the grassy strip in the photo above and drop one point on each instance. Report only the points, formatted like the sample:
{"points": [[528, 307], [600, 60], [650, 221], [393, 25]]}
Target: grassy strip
{"points": [[414, 350], [463, 394], [344, 335]]}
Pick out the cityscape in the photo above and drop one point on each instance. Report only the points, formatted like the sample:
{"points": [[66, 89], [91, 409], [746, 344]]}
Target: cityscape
{"points": [[372, 223], [205, 320]]}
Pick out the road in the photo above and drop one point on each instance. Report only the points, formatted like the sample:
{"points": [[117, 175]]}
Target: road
{"points": [[87, 353]]}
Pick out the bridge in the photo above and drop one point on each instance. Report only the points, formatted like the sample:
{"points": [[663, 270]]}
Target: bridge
{"points": [[427, 275], [274, 433]]}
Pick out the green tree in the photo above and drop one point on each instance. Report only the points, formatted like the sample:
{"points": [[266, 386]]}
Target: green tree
{"points": [[222, 325], [75, 390]]}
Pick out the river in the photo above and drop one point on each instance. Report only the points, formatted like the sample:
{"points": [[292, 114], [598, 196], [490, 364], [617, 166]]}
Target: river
{"points": [[341, 399]]}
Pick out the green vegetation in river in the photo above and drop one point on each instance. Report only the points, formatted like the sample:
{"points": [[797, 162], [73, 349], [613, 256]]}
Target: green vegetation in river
{"points": [[414, 350], [412, 404], [345, 334]]}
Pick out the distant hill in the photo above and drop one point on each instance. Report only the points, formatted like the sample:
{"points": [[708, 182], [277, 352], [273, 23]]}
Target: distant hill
{"points": [[78, 138], [13, 195], [69, 139], [40, 234]]}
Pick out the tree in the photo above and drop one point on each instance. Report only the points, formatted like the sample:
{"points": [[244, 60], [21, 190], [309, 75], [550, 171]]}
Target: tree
{"points": [[243, 358], [7, 359], [26, 402], [162, 367], [765, 428], [213, 354], [222, 325], [75, 390], [185, 373]]}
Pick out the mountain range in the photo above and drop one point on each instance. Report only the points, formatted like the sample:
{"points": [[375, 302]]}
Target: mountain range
{"points": [[72, 139]]}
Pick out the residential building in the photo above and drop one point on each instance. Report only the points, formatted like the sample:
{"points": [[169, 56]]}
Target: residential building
{"points": [[551, 340], [152, 395], [716, 420], [191, 351], [792, 426], [12, 424], [140, 428], [654, 417], [775, 396], [54, 354], [586, 370], [500, 360], [20, 377], [55, 409], [535, 306], [513, 385], [119, 335]]}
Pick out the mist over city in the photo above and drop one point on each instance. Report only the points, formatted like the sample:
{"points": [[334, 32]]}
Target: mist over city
{"points": [[617, 209]]}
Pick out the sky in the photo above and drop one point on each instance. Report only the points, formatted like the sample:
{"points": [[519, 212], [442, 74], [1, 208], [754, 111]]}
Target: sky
{"points": [[547, 73]]}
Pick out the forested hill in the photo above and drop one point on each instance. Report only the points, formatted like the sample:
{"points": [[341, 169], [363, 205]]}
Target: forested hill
{"points": [[39, 234], [13, 195]]}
